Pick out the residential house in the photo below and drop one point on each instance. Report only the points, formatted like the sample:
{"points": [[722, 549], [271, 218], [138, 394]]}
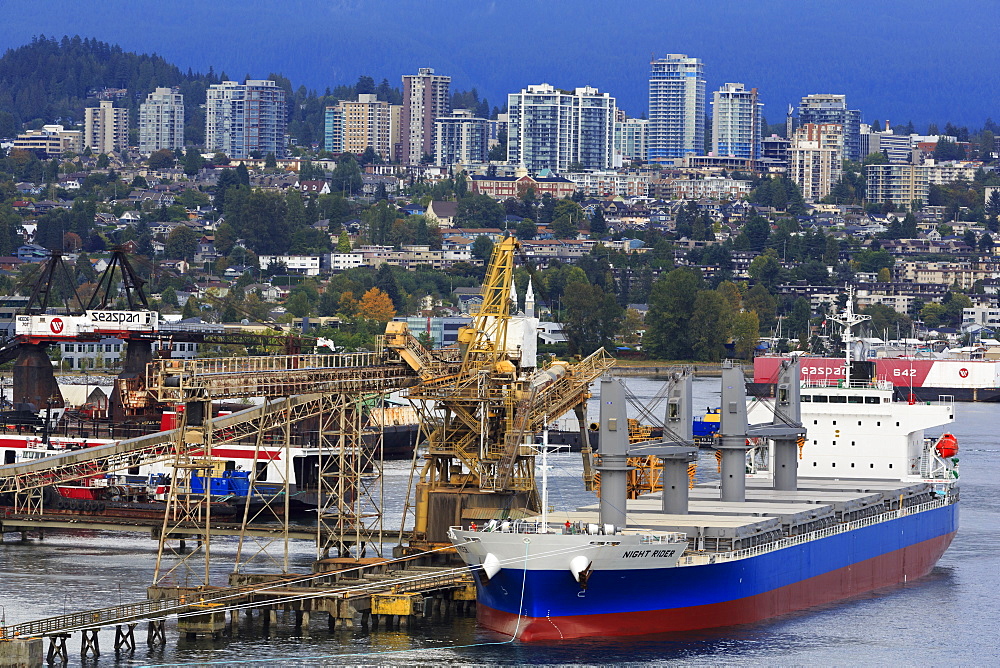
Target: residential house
{"points": [[442, 213], [313, 187]]}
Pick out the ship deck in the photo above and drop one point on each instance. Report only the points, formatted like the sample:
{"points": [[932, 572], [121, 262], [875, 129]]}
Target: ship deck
{"points": [[767, 515]]}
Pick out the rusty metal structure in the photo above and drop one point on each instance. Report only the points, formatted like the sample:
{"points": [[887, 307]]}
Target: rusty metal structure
{"points": [[481, 410]]}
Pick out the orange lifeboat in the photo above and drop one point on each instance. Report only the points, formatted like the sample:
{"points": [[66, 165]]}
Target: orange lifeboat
{"points": [[947, 446]]}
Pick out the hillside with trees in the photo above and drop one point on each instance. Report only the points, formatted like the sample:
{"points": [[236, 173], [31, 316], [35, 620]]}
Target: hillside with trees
{"points": [[52, 80]]}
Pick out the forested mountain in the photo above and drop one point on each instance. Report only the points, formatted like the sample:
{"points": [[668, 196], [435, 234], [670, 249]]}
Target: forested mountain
{"points": [[52, 81]]}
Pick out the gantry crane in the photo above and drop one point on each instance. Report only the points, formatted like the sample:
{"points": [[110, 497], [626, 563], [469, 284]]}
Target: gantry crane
{"points": [[481, 409]]}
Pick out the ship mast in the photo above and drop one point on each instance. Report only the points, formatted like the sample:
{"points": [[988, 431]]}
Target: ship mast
{"points": [[848, 319]]}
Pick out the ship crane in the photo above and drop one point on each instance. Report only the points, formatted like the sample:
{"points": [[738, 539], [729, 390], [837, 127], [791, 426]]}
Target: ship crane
{"points": [[481, 408]]}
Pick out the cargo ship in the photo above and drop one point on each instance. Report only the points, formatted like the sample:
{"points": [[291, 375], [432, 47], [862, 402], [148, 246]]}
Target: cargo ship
{"points": [[836, 492], [922, 378]]}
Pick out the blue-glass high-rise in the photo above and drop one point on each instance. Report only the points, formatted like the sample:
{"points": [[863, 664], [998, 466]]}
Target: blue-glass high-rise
{"points": [[676, 107]]}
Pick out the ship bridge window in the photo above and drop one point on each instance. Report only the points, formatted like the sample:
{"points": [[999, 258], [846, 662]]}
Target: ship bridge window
{"points": [[820, 398], [838, 399], [855, 400], [871, 400]]}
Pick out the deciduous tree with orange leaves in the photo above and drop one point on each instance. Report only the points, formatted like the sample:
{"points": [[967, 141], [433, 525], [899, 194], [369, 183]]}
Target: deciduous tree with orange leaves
{"points": [[376, 305]]}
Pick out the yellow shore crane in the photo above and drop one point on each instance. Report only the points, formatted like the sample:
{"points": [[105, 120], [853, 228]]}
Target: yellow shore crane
{"points": [[481, 406]]}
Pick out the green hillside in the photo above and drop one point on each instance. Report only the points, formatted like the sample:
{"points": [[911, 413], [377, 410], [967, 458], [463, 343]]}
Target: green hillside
{"points": [[52, 81]]}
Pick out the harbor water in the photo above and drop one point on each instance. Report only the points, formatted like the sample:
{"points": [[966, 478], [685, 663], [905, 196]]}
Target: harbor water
{"points": [[948, 617]]}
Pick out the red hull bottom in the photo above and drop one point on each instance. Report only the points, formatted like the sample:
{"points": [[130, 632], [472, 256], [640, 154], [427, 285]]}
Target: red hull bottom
{"points": [[888, 569]]}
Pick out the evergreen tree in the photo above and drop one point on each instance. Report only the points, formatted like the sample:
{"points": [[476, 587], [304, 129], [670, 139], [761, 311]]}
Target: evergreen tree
{"points": [[671, 305], [193, 162], [386, 282], [598, 225], [144, 239]]}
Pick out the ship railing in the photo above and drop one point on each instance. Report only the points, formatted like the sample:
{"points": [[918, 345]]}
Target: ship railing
{"points": [[575, 528], [714, 557], [854, 384], [661, 538], [507, 526]]}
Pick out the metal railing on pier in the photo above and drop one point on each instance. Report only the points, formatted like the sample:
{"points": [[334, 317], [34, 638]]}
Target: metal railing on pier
{"points": [[262, 594]]}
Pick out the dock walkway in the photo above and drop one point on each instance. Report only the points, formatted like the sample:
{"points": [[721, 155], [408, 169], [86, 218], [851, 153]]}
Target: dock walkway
{"points": [[355, 589]]}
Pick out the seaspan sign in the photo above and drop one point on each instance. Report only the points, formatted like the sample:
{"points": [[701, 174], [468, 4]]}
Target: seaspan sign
{"points": [[121, 321]]}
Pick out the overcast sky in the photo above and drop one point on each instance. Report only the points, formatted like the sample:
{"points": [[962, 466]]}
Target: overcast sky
{"points": [[903, 60]]}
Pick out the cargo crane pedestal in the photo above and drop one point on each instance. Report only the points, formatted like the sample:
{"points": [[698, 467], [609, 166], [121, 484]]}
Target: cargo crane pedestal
{"points": [[132, 378], [34, 381]]}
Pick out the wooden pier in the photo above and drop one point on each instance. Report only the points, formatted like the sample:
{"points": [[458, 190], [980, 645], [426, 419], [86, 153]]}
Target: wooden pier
{"points": [[371, 594]]}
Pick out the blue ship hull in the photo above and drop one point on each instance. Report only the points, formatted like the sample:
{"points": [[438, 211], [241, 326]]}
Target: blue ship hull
{"points": [[630, 602]]}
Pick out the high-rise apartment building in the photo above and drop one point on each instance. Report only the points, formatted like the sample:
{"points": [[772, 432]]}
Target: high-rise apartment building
{"points": [[161, 121], [826, 109], [105, 128], [553, 129], [676, 107], [426, 97], [353, 126], [903, 185], [630, 140], [736, 114], [815, 159], [461, 138], [245, 119], [333, 129], [774, 151]]}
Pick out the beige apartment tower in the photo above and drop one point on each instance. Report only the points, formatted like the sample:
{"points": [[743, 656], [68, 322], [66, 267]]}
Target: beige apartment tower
{"points": [[105, 128], [815, 158], [426, 97]]}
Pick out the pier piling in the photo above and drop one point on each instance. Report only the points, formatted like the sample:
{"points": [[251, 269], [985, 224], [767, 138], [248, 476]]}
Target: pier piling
{"points": [[57, 648], [156, 632], [90, 643], [125, 637]]}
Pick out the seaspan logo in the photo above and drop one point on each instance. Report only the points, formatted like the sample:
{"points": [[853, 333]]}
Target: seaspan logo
{"points": [[56, 325], [118, 317], [964, 373]]}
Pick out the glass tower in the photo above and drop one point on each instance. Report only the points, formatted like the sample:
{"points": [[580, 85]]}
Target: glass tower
{"points": [[676, 107], [736, 122]]}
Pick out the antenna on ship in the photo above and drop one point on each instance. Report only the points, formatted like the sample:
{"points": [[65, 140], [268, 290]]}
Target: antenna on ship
{"points": [[848, 319]]}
